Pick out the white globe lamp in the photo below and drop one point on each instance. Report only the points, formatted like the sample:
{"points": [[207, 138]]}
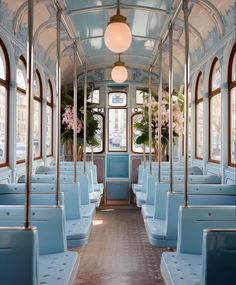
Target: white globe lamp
{"points": [[119, 72], [118, 36]]}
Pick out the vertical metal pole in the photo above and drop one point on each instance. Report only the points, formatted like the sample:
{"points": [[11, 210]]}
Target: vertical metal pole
{"points": [[186, 81], [144, 155], [58, 82], [170, 105], [150, 122], [30, 66], [92, 103], [85, 117], [75, 114], [159, 112]]}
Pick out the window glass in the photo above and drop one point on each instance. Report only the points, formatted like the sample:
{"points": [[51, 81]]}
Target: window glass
{"points": [[140, 94], [233, 77], [2, 64], [3, 124], [200, 88], [216, 76], [135, 133], [215, 127], [199, 133], [233, 125], [94, 96], [37, 129], [117, 130], [21, 125], [21, 75], [36, 86], [48, 130], [117, 99], [98, 136], [49, 93]]}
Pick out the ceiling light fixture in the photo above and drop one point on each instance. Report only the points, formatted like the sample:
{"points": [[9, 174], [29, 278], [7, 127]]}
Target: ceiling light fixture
{"points": [[118, 35], [119, 72]]}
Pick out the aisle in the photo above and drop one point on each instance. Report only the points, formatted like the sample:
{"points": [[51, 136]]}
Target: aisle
{"points": [[118, 252]]}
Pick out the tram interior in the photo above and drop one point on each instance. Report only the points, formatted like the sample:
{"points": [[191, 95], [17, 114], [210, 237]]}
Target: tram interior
{"points": [[117, 142]]}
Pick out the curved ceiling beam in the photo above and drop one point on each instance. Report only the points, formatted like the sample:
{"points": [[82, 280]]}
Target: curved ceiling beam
{"points": [[21, 11], [102, 36], [214, 14], [109, 7], [179, 22], [53, 45], [45, 25]]}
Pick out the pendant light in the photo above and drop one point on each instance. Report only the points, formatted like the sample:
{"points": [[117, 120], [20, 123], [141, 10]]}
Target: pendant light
{"points": [[118, 35], [119, 72]]}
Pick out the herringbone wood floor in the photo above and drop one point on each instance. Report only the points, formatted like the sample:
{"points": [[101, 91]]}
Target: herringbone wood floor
{"points": [[118, 252]]}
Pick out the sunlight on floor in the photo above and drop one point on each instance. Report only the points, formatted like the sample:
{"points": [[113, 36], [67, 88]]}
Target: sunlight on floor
{"points": [[97, 222]]}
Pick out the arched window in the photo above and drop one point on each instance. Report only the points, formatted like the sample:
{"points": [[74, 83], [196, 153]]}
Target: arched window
{"points": [[199, 118], [99, 135], [49, 121], [215, 112], [21, 111], [136, 148], [4, 91], [37, 131], [232, 107]]}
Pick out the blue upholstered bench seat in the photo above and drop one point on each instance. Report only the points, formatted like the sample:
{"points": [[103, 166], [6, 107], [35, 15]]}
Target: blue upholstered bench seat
{"points": [[181, 269], [147, 211], [58, 268], [95, 197], [88, 211], [141, 198], [136, 187], [206, 249], [168, 228], [78, 231]]}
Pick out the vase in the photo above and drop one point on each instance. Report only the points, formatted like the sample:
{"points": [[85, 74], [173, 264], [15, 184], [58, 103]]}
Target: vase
{"points": [[80, 153]]}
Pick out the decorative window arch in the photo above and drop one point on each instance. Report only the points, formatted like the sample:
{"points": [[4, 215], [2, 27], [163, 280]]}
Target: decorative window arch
{"points": [[199, 117], [215, 112], [49, 120], [21, 111], [37, 130], [100, 134], [4, 104], [232, 107]]}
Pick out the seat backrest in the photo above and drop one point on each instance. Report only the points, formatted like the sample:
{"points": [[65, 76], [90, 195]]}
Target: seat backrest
{"points": [[69, 196], [175, 200], [49, 220], [18, 256], [145, 181], [194, 219], [84, 189], [151, 189], [205, 179], [219, 256]]}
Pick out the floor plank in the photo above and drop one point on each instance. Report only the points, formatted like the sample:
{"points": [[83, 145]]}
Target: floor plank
{"points": [[118, 252]]}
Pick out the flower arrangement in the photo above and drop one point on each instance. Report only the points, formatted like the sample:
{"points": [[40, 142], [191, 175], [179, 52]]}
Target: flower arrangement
{"points": [[142, 125], [67, 130]]}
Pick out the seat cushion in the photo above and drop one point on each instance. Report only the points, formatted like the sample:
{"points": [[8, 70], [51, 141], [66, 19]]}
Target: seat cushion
{"points": [[78, 229], [98, 187], [59, 268], [136, 188], [88, 211], [181, 269], [156, 228], [148, 211]]}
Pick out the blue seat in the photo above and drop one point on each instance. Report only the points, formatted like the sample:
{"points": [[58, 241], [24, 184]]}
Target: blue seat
{"points": [[78, 228], [35, 256], [148, 207], [188, 265], [163, 232]]}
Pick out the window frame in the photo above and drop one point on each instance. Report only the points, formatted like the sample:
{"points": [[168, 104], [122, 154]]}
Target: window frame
{"points": [[212, 93], [40, 100], [231, 85], [6, 84], [126, 99], [50, 104], [132, 132], [21, 90], [197, 102]]}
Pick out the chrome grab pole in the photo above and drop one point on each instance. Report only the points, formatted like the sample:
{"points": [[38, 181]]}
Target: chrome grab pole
{"points": [[85, 117], [186, 85], [171, 105], [75, 113], [150, 122], [92, 159], [58, 82], [159, 112], [144, 145], [30, 66]]}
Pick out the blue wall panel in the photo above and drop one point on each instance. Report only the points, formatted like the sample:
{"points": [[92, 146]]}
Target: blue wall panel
{"points": [[118, 165], [118, 190]]}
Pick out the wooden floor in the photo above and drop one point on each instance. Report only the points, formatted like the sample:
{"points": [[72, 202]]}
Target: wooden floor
{"points": [[118, 252]]}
